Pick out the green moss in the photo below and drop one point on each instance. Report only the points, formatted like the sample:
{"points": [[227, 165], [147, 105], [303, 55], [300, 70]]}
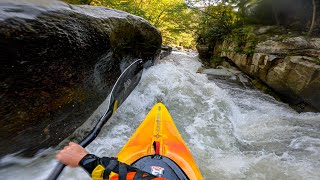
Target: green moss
{"points": [[215, 61], [245, 40]]}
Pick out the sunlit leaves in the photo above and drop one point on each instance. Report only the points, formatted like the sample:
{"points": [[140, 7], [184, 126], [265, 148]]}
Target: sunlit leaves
{"points": [[173, 17]]}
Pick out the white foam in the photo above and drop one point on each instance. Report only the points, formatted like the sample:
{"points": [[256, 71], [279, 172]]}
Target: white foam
{"points": [[233, 133]]}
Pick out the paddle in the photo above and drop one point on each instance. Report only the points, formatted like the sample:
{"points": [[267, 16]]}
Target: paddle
{"points": [[127, 81]]}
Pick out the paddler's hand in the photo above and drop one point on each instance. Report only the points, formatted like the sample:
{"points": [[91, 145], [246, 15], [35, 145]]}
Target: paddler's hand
{"points": [[71, 154]]}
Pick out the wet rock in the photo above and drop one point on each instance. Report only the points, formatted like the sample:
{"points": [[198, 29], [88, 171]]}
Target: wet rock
{"points": [[227, 75], [296, 79], [204, 51], [165, 51], [58, 63], [289, 65], [293, 45], [218, 72]]}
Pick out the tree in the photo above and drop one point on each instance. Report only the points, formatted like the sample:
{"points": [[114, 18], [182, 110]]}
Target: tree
{"points": [[216, 22], [314, 9], [172, 17]]}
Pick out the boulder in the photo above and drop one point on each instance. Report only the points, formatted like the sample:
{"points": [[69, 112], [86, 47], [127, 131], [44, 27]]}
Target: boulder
{"points": [[58, 63], [296, 79]]}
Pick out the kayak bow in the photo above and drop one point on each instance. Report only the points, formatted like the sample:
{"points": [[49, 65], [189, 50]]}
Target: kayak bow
{"points": [[157, 147]]}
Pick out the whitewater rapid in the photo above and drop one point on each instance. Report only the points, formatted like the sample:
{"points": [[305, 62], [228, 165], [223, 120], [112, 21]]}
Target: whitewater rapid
{"points": [[233, 132]]}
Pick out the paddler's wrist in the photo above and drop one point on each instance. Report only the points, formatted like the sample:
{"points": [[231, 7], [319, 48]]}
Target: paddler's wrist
{"points": [[89, 162]]}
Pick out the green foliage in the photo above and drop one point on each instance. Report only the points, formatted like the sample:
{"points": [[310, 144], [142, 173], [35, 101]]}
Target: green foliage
{"points": [[215, 61], [216, 23], [245, 40], [173, 18], [219, 17], [212, 21]]}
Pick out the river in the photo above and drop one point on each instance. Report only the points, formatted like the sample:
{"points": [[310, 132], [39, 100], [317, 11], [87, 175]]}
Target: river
{"points": [[233, 132]]}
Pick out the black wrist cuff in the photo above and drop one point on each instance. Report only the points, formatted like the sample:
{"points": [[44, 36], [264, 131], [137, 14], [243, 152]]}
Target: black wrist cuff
{"points": [[89, 162]]}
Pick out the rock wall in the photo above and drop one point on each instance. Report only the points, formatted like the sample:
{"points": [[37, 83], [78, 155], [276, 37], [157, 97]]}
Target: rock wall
{"points": [[290, 65], [58, 63]]}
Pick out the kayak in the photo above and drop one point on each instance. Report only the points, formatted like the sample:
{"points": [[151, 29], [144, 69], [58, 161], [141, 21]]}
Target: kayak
{"points": [[158, 148]]}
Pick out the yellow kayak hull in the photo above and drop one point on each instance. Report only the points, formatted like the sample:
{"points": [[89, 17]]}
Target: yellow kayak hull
{"points": [[158, 126]]}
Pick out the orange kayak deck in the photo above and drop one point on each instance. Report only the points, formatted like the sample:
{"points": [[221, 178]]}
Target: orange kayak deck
{"points": [[158, 126]]}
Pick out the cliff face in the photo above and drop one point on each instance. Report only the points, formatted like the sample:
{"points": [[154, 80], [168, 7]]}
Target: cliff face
{"points": [[58, 63], [289, 64]]}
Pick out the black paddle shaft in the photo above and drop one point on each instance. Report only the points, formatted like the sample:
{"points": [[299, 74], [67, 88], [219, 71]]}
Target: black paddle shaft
{"points": [[59, 168], [125, 84]]}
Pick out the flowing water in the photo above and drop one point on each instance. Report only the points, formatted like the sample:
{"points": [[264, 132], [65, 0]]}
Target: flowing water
{"points": [[233, 132]]}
